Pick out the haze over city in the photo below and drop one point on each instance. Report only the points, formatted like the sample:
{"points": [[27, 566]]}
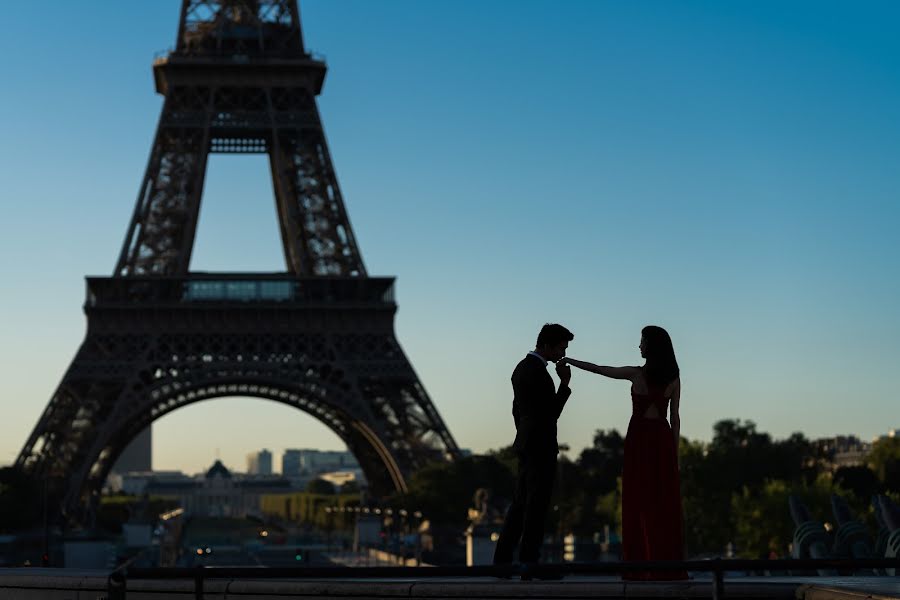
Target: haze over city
{"points": [[727, 171]]}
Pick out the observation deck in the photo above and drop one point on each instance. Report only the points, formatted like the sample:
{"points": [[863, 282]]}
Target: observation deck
{"points": [[239, 289]]}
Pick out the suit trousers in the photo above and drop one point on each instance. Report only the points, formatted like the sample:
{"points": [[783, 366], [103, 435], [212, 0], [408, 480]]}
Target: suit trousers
{"points": [[527, 514]]}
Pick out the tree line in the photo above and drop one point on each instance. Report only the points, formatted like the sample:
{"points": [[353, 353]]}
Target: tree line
{"points": [[735, 488]]}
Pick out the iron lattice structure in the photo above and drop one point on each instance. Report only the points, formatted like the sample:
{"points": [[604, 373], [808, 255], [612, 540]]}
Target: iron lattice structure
{"points": [[319, 337]]}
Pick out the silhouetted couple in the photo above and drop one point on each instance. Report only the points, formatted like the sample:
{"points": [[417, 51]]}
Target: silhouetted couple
{"points": [[651, 498]]}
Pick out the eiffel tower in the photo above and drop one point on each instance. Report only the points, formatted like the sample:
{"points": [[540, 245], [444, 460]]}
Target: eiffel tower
{"points": [[318, 337]]}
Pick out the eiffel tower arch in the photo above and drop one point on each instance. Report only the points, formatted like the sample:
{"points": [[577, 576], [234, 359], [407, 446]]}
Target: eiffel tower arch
{"points": [[318, 337]]}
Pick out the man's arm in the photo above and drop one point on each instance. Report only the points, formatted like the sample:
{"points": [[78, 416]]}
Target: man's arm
{"points": [[526, 392], [564, 391]]}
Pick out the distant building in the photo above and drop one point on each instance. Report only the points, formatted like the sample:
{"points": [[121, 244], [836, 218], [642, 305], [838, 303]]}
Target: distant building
{"points": [[135, 483], [259, 463], [290, 463], [842, 451], [309, 463], [219, 492], [138, 455]]}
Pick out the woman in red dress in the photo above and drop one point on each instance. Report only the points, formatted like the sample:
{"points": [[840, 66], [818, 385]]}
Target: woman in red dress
{"points": [[652, 527]]}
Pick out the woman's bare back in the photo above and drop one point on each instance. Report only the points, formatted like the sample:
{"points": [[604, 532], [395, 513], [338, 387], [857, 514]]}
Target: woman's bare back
{"points": [[639, 386]]}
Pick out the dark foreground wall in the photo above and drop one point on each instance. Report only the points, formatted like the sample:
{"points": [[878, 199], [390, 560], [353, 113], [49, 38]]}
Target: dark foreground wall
{"points": [[59, 584]]}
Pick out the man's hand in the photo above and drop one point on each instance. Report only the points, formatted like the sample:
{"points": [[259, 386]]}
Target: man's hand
{"points": [[564, 372]]}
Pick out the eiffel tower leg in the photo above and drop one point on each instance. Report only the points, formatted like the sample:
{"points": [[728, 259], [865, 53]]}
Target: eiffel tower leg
{"points": [[316, 230], [402, 412], [160, 236], [62, 442]]}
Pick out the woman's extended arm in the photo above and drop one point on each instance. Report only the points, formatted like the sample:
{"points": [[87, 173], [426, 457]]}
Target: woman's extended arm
{"points": [[674, 417], [613, 372]]}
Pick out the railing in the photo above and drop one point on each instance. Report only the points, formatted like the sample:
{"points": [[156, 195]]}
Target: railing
{"points": [[117, 582], [238, 288]]}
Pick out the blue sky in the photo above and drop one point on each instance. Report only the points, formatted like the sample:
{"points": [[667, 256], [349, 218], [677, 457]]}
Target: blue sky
{"points": [[726, 170]]}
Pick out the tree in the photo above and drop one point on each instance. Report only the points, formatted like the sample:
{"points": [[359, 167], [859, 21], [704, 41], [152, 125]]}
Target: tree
{"points": [[320, 486], [762, 520], [705, 500], [739, 460], [21, 501], [884, 459], [507, 457], [117, 509], [570, 503], [861, 481], [794, 460], [601, 464], [351, 487], [443, 492], [586, 492]]}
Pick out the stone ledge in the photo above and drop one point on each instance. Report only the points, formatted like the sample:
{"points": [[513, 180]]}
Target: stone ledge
{"points": [[858, 589], [58, 584]]}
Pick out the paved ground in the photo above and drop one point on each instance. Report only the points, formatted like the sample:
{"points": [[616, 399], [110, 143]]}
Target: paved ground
{"points": [[26, 584]]}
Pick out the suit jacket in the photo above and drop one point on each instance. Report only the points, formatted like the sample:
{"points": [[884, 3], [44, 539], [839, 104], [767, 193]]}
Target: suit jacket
{"points": [[537, 405]]}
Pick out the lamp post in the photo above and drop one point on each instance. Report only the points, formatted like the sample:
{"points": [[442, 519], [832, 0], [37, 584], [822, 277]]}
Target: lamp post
{"points": [[45, 555], [563, 448]]}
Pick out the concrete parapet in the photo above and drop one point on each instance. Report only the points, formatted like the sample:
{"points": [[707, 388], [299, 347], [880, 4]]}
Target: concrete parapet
{"points": [[58, 584], [861, 589]]}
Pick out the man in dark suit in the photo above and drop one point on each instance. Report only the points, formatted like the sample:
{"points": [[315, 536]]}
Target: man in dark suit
{"points": [[537, 405]]}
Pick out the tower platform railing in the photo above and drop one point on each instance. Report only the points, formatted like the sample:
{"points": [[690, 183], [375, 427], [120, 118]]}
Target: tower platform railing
{"points": [[238, 288]]}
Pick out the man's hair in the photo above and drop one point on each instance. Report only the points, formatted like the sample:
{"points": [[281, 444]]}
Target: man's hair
{"points": [[552, 334]]}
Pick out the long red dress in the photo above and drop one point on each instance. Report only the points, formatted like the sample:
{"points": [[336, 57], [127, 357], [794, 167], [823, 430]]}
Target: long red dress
{"points": [[652, 527]]}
